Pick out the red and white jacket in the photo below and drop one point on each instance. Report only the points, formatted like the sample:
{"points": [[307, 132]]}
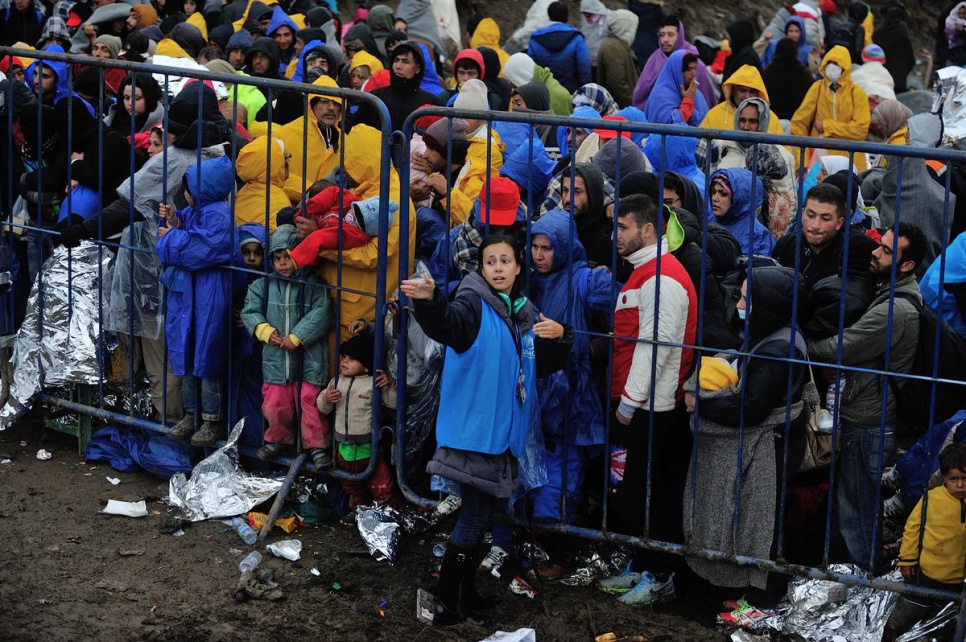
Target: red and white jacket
{"points": [[635, 316]]}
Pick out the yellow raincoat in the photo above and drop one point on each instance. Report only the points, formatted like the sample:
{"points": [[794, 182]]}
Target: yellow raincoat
{"points": [[487, 34], [478, 148], [198, 20], [252, 167], [168, 47], [722, 115], [365, 59], [843, 111], [362, 165], [469, 182], [320, 159]]}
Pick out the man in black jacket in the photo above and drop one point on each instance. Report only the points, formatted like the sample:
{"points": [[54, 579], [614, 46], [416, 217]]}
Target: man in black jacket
{"points": [[403, 95], [823, 218]]}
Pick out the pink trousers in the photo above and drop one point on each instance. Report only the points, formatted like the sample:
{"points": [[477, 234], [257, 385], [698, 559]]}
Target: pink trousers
{"points": [[280, 404]]}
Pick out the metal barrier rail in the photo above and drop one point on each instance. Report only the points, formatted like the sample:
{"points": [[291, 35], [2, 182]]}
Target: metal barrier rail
{"points": [[778, 564], [273, 88]]}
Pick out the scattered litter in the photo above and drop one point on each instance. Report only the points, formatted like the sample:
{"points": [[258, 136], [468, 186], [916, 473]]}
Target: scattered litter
{"points": [[287, 524], [520, 635], [439, 550], [23, 444], [43, 455], [172, 522], [218, 487], [290, 549], [73, 539], [235, 551], [178, 533], [131, 553], [125, 509], [258, 584], [425, 606], [114, 481], [44, 601], [5, 461], [745, 636], [113, 586], [381, 531], [315, 572]]}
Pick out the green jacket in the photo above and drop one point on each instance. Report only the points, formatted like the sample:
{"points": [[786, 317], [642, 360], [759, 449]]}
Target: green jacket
{"points": [[301, 308], [559, 96], [863, 346]]}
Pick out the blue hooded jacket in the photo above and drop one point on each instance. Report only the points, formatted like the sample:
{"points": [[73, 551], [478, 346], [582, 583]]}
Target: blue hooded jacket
{"points": [[804, 47], [198, 287], [568, 294], [532, 174], [634, 115], [665, 100], [63, 81], [679, 153], [955, 274], [563, 50], [299, 74], [430, 81], [281, 19], [584, 111], [737, 220]]}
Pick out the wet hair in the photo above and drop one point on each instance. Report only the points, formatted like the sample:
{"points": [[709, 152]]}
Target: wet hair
{"points": [[687, 60], [138, 43], [513, 240], [557, 12], [674, 183], [319, 186], [829, 194], [953, 457], [211, 53], [670, 21], [916, 248], [641, 208]]}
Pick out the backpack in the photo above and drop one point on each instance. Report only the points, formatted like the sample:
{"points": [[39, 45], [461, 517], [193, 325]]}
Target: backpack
{"points": [[914, 396]]}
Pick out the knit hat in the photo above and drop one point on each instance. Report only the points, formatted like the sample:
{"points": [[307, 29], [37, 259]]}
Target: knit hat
{"points": [[500, 208], [873, 53], [714, 373], [367, 214], [113, 43], [361, 348], [519, 69], [472, 96], [632, 159], [145, 14], [441, 134]]}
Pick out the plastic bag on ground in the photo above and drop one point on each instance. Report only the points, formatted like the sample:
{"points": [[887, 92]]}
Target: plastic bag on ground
{"points": [[132, 449]]}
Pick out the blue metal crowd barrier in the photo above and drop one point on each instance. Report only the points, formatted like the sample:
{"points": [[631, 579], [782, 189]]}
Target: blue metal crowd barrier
{"points": [[777, 562], [45, 232]]}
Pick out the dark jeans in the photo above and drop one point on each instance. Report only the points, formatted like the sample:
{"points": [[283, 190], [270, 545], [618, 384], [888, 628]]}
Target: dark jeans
{"points": [[476, 511], [628, 481], [210, 397]]}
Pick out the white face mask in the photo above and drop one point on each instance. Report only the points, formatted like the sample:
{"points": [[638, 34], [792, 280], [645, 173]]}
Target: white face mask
{"points": [[833, 72], [742, 313]]}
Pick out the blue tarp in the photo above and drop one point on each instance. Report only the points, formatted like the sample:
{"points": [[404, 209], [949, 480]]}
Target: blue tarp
{"points": [[131, 449]]}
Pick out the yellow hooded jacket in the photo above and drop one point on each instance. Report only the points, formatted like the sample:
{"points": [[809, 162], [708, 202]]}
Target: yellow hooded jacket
{"points": [[252, 166], [944, 543], [168, 47], [843, 111], [487, 35], [198, 20], [366, 59], [320, 159], [722, 115], [362, 165]]}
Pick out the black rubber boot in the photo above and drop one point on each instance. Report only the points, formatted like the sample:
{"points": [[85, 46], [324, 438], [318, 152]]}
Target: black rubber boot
{"points": [[475, 604], [455, 562]]}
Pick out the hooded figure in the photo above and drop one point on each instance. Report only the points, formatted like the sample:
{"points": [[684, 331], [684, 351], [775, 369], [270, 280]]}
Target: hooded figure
{"points": [[241, 40], [741, 217], [835, 105], [593, 17], [616, 63], [537, 99], [900, 58], [431, 82], [20, 26], [520, 69], [564, 130], [952, 298], [741, 36], [253, 164], [198, 289], [280, 19], [363, 34], [664, 103], [561, 49], [572, 415], [62, 89], [740, 423], [319, 149], [312, 46], [594, 229], [786, 79], [487, 34], [678, 157], [403, 96], [722, 115], [268, 48], [422, 23], [497, 87], [596, 97], [872, 75], [189, 38], [117, 117], [655, 65], [804, 46], [381, 24], [530, 171]]}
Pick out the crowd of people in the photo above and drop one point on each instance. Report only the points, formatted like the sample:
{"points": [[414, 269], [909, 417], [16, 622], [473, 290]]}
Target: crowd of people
{"points": [[674, 310]]}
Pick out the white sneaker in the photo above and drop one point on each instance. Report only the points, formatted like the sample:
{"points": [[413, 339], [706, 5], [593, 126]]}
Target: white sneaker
{"points": [[494, 558], [449, 505], [649, 590]]}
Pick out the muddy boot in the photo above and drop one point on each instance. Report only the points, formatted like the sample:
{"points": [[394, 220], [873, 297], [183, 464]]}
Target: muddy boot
{"points": [[474, 604], [455, 562], [207, 435], [184, 428]]}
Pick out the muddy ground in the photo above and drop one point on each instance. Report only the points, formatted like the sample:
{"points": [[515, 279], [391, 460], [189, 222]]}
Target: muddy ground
{"points": [[70, 573]]}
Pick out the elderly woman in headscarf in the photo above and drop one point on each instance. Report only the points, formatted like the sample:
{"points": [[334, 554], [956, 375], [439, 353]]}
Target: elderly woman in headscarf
{"points": [[890, 123]]}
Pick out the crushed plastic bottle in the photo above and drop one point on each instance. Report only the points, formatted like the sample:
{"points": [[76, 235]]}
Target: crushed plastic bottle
{"points": [[250, 562]]}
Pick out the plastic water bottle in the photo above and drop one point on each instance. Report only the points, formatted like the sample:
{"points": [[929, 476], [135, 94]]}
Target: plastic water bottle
{"points": [[246, 532], [250, 563]]}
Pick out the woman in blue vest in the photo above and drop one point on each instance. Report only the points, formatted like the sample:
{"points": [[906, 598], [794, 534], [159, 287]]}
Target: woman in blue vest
{"points": [[487, 401]]}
